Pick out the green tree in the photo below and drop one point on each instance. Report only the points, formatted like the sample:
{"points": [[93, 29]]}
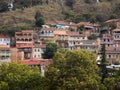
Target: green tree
{"points": [[70, 3], [40, 22], [50, 50], [3, 6], [92, 37], [81, 29], [112, 82], [73, 70], [103, 69], [38, 15], [15, 76]]}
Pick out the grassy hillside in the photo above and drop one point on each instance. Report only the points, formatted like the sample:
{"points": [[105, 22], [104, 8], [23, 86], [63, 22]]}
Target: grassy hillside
{"points": [[76, 11], [25, 18]]}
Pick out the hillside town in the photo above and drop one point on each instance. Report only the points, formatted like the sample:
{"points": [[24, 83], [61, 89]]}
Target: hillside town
{"points": [[59, 44], [28, 46]]}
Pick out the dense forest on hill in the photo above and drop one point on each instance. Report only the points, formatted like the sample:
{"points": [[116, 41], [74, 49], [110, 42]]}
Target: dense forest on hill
{"points": [[23, 13]]}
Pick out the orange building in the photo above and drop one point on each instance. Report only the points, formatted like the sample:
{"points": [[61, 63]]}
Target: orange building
{"points": [[24, 42], [16, 55]]}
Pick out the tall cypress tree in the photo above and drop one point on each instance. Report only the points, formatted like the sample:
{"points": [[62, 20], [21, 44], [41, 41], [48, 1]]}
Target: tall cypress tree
{"points": [[103, 63]]}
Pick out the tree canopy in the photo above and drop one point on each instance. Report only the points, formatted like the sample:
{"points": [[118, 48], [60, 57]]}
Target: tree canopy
{"points": [[50, 50], [73, 70], [40, 22], [15, 76]]}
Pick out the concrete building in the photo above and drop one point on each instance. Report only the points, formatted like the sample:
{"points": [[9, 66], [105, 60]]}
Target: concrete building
{"points": [[4, 40], [116, 35], [88, 45], [47, 33], [5, 54], [38, 50], [107, 40], [74, 38]]}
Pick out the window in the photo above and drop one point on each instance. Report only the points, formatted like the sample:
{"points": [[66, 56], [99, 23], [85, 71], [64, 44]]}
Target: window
{"points": [[35, 56], [109, 56], [74, 43], [42, 32]]}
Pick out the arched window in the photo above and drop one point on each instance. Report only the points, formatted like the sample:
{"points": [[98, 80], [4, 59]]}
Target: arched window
{"points": [[30, 39], [26, 39], [18, 39]]}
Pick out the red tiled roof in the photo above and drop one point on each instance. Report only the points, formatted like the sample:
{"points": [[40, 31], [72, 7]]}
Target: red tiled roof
{"points": [[70, 33], [39, 46], [91, 27], [116, 30], [82, 35], [37, 62], [24, 31], [51, 29], [4, 36], [61, 22], [88, 24], [27, 30], [56, 22], [83, 23], [112, 20]]}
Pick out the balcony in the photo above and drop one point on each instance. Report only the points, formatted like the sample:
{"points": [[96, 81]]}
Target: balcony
{"points": [[24, 46], [24, 36], [27, 50], [4, 53], [5, 58]]}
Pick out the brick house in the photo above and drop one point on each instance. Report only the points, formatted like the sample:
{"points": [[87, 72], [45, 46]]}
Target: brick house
{"points": [[24, 42]]}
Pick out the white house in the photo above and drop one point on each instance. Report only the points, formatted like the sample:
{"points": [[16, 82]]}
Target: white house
{"points": [[38, 50], [5, 54], [4, 40]]}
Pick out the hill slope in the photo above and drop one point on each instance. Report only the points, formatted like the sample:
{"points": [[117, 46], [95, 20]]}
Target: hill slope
{"points": [[73, 10]]}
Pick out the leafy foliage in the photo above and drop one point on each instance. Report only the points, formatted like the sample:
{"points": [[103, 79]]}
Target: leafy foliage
{"points": [[92, 37], [3, 6], [103, 63], [70, 3], [15, 76], [40, 22], [50, 50], [73, 70]]}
